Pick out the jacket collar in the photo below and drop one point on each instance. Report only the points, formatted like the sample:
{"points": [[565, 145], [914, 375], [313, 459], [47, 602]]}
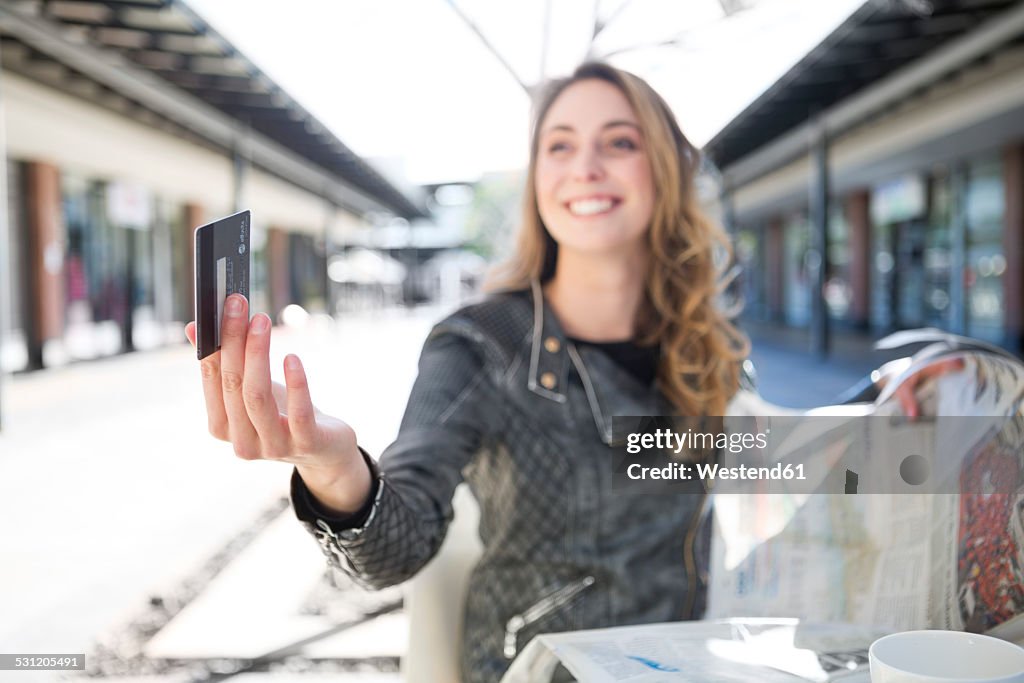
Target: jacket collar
{"points": [[609, 389], [549, 359]]}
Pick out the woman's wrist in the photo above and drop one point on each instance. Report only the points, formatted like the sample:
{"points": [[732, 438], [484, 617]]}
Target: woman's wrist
{"points": [[341, 491]]}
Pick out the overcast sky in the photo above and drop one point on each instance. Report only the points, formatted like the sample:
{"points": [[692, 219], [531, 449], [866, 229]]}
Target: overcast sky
{"points": [[408, 82]]}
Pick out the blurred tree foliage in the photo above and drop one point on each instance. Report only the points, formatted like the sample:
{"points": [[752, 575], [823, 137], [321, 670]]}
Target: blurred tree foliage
{"points": [[494, 215]]}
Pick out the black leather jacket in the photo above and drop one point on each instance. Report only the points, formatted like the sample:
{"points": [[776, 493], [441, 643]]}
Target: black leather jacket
{"points": [[505, 402]]}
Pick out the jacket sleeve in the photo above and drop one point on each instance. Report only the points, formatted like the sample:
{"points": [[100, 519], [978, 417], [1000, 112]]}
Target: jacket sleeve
{"points": [[445, 423]]}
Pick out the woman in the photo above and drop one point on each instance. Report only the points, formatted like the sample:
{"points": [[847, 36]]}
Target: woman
{"points": [[607, 308]]}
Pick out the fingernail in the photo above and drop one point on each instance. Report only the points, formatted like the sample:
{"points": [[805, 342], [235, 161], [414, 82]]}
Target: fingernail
{"points": [[259, 324], [291, 362], [233, 306]]}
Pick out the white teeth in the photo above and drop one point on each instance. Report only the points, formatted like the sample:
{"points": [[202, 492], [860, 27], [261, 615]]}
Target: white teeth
{"points": [[588, 207]]}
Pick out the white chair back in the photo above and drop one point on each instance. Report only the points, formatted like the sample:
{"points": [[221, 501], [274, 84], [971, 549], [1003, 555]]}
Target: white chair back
{"points": [[436, 596]]}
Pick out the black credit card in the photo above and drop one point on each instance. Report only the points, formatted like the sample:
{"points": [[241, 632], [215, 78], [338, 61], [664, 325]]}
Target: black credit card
{"points": [[222, 268]]}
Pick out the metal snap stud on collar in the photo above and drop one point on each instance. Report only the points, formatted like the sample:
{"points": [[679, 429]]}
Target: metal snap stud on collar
{"points": [[548, 380], [552, 344]]}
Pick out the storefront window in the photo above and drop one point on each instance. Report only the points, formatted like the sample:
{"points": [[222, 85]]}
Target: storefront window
{"points": [[307, 270], [168, 268], [938, 255], [750, 282], [182, 305], [986, 264], [838, 291], [96, 301], [130, 209], [116, 255], [258, 277], [899, 236], [797, 286], [883, 276]]}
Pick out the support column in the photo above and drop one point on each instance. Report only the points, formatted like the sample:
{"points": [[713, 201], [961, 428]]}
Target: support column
{"points": [[858, 218], [194, 217], [735, 286], [328, 242], [279, 290], [45, 258], [728, 213], [958, 250], [818, 254], [239, 174], [5, 258], [774, 271], [1013, 247], [127, 338]]}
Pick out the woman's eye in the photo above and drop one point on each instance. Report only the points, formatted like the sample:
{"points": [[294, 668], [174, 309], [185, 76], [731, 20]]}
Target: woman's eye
{"points": [[623, 144], [557, 147]]}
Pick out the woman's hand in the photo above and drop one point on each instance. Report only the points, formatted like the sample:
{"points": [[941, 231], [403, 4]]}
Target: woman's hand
{"points": [[906, 392], [264, 420]]}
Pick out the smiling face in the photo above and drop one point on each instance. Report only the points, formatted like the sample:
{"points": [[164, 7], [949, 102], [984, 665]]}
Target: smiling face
{"points": [[593, 181]]}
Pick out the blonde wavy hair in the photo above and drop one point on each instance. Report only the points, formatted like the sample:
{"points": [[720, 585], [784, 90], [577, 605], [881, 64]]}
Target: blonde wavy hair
{"points": [[701, 350]]}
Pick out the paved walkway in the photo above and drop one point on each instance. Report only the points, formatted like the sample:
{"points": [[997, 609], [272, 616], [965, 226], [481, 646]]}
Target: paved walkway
{"points": [[113, 492], [791, 375]]}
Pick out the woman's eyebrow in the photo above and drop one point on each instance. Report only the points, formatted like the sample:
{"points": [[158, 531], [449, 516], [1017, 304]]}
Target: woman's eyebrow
{"points": [[569, 129], [613, 124], [559, 127]]}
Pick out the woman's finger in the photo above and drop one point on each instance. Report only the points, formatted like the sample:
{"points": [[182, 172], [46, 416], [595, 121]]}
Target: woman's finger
{"points": [[906, 396], [209, 368], [907, 392], [234, 331], [257, 390], [301, 413]]}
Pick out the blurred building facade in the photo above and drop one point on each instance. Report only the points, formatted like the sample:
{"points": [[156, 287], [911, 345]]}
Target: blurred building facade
{"points": [[127, 124], [403, 262], [879, 184]]}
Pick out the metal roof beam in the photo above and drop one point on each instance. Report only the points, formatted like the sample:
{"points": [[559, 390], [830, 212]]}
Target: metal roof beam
{"points": [[139, 4], [92, 13], [915, 76], [241, 101], [179, 106], [119, 25], [186, 78]]}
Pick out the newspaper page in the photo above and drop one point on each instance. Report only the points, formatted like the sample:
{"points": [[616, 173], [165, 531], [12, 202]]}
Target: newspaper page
{"points": [[989, 550], [724, 651], [787, 567], [905, 560]]}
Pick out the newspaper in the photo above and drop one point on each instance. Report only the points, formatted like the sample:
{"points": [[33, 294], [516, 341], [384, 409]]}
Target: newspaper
{"points": [[722, 651], [906, 560], [800, 584]]}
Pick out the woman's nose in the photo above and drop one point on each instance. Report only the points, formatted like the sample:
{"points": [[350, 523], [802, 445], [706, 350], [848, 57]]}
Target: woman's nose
{"points": [[587, 165]]}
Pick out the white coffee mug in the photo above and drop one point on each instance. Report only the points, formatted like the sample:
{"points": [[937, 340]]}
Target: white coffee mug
{"points": [[945, 657]]}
